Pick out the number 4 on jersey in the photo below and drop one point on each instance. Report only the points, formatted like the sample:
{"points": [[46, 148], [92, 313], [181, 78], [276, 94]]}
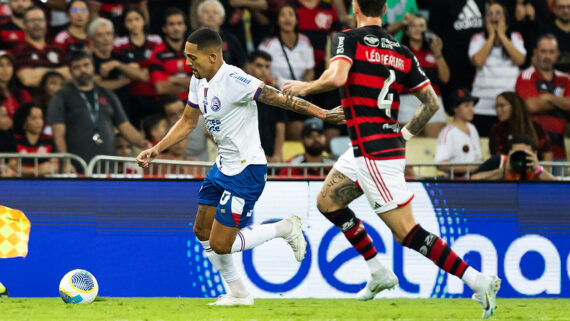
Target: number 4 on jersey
{"points": [[384, 98]]}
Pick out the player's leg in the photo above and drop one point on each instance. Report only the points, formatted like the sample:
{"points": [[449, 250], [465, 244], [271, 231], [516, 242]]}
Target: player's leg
{"points": [[387, 185], [208, 199], [339, 189]]}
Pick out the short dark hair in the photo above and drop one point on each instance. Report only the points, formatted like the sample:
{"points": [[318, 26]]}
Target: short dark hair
{"points": [[548, 36], [371, 8], [171, 12], [68, 6], [205, 38], [524, 139], [32, 8], [149, 123], [21, 114], [258, 54], [77, 55]]}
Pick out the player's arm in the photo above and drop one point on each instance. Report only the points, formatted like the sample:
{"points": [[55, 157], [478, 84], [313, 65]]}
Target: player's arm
{"points": [[429, 105], [334, 77], [274, 97], [181, 129]]}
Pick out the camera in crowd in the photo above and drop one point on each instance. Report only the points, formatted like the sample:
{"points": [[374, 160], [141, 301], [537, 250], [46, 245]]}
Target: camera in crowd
{"points": [[429, 36], [519, 161]]}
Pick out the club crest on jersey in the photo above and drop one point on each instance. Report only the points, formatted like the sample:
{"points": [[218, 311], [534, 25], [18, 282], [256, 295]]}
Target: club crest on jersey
{"points": [[371, 40], [216, 104]]}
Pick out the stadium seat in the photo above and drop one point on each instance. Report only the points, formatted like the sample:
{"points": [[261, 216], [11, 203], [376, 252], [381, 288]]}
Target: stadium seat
{"points": [[339, 145], [567, 144], [421, 149], [292, 148], [485, 152]]}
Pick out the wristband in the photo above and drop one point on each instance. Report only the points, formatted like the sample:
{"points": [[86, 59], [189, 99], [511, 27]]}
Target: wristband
{"points": [[538, 170], [406, 134]]}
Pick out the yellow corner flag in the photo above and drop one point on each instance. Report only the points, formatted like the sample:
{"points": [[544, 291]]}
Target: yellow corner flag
{"points": [[14, 233]]}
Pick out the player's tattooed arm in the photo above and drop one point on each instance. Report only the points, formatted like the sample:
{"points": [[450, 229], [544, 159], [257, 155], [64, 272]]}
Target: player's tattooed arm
{"points": [[425, 111], [274, 97]]}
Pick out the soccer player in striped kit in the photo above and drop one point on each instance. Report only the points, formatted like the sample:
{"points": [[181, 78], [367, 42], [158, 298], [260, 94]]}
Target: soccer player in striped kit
{"points": [[373, 68]]}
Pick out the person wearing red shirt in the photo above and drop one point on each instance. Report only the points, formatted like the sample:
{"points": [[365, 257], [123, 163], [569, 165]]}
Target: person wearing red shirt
{"points": [[546, 92], [168, 70], [75, 36], [11, 95], [12, 30]]}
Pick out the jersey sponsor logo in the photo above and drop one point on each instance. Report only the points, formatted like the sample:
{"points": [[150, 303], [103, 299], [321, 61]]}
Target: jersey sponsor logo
{"points": [[371, 40], [394, 127], [213, 125], [216, 104], [470, 17], [340, 47], [239, 77], [388, 44]]}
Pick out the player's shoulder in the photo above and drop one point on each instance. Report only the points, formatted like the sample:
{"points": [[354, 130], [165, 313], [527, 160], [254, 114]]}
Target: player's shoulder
{"points": [[236, 76]]}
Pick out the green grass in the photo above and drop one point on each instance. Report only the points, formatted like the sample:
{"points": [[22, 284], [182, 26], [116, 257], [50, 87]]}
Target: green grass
{"points": [[182, 309]]}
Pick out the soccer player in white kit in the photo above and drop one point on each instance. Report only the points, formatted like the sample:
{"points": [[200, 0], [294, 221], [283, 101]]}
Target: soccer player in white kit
{"points": [[226, 96]]}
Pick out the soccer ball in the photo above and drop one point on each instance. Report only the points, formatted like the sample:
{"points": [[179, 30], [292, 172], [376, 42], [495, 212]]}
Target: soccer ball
{"points": [[78, 287]]}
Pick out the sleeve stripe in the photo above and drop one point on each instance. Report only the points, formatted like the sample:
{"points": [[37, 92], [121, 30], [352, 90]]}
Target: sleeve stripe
{"points": [[257, 92], [191, 104], [420, 86], [341, 57]]}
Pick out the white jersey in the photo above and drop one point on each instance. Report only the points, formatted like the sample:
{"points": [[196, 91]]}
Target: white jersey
{"points": [[227, 102], [455, 146]]}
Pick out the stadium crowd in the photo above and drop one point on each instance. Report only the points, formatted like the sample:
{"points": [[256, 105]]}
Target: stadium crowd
{"points": [[500, 69]]}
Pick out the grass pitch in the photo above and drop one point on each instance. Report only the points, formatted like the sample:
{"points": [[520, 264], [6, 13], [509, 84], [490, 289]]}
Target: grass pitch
{"points": [[183, 309]]}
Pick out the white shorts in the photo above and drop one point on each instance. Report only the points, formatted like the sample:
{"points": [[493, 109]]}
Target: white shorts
{"points": [[408, 106], [382, 181]]}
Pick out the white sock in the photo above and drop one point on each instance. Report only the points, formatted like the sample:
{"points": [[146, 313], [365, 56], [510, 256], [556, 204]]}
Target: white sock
{"points": [[225, 265], [283, 228], [252, 236], [374, 265], [470, 277]]}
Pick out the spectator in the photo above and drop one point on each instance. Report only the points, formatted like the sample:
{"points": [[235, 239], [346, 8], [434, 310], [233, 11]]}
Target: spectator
{"points": [[168, 70], [83, 114], [497, 53], [75, 36], [211, 15], [36, 56], [51, 82], [560, 28], [531, 16], [427, 47], [291, 59], [456, 21], [458, 142], [238, 19], [138, 45], [30, 139], [6, 143], [113, 70], [314, 143], [271, 120], [154, 128], [509, 167], [125, 149], [113, 10], [546, 92], [197, 146], [12, 31], [515, 121], [398, 16], [157, 10], [11, 94]]}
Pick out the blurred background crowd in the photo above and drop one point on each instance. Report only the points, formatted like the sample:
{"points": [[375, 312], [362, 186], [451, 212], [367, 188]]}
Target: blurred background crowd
{"points": [[500, 69]]}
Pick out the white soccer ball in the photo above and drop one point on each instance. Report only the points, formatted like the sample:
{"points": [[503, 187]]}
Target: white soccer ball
{"points": [[78, 287]]}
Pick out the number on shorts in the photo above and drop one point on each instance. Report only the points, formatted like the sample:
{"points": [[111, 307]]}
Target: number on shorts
{"points": [[384, 98]]}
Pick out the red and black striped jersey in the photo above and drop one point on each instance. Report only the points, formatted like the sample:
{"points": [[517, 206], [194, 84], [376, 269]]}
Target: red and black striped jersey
{"points": [[141, 55], [380, 69], [11, 35], [166, 61], [49, 56], [68, 43], [44, 145]]}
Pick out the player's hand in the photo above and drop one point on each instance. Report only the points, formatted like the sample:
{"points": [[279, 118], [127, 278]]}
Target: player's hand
{"points": [[294, 88], [335, 116], [146, 156]]}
